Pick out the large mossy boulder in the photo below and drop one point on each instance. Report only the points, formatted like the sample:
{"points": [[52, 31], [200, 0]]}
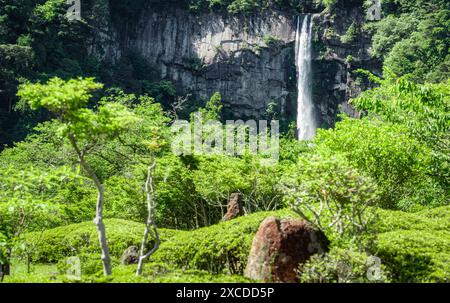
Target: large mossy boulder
{"points": [[280, 246]]}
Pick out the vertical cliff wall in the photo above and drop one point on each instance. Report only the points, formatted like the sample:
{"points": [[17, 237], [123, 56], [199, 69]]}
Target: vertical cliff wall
{"points": [[250, 60], [341, 47]]}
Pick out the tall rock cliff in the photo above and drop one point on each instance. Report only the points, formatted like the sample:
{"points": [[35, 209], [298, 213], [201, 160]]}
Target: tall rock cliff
{"points": [[248, 59]]}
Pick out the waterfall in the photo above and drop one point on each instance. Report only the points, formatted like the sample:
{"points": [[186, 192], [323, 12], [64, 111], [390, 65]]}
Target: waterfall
{"points": [[306, 124]]}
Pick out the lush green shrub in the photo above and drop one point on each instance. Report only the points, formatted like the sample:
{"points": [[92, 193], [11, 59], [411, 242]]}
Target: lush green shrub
{"points": [[416, 256], [395, 160], [342, 266], [165, 273], [413, 39], [153, 273], [59, 243], [433, 219], [414, 247], [37, 199], [421, 111], [220, 248], [328, 192], [90, 263], [389, 31], [351, 34]]}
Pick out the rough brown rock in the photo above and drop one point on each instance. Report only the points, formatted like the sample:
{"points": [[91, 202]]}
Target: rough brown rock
{"points": [[279, 247], [234, 207], [130, 256]]}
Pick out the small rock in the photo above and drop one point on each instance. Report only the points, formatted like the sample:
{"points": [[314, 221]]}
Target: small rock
{"points": [[234, 209], [279, 247], [130, 256]]}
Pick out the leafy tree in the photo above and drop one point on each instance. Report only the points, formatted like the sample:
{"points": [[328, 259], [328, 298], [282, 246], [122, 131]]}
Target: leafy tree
{"points": [[83, 127], [384, 151], [331, 195], [423, 110], [389, 31], [424, 54], [29, 201]]}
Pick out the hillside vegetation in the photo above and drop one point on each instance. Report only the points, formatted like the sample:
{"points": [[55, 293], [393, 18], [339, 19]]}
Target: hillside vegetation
{"points": [[87, 140]]}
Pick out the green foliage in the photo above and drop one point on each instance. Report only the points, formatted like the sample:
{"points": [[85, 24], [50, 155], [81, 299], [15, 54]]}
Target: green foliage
{"points": [[422, 111], [213, 108], [430, 220], [68, 101], [59, 96], [416, 7], [328, 4], [179, 205], [389, 31], [414, 247], [222, 247], [49, 10], [42, 148], [423, 56], [340, 266], [153, 273], [351, 34], [216, 177], [331, 195], [384, 151], [90, 264], [217, 249], [241, 6], [165, 273], [34, 199], [411, 247], [270, 41], [413, 39], [71, 240], [416, 256], [4, 246]]}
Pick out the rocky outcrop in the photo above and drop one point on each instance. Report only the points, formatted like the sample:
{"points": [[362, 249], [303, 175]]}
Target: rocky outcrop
{"points": [[249, 59], [234, 208], [130, 256], [279, 247], [341, 46]]}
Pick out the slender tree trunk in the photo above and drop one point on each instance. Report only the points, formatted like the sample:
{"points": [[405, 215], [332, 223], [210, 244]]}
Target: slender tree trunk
{"points": [[151, 220], [101, 230], [98, 220]]}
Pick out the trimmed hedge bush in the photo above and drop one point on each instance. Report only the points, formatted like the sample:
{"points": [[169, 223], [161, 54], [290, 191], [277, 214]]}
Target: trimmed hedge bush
{"points": [[56, 244], [416, 256], [222, 248], [153, 273], [219, 248], [415, 247], [433, 219]]}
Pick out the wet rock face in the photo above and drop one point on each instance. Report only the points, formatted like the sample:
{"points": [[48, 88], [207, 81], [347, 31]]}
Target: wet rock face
{"points": [[250, 60], [234, 209], [279, 247]]}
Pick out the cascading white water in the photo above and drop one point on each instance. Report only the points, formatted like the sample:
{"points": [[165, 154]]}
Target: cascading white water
{"points": [[306, 124]]}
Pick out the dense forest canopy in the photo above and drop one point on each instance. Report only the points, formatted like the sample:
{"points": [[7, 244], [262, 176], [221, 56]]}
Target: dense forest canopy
{"points": [[74, 128]]}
